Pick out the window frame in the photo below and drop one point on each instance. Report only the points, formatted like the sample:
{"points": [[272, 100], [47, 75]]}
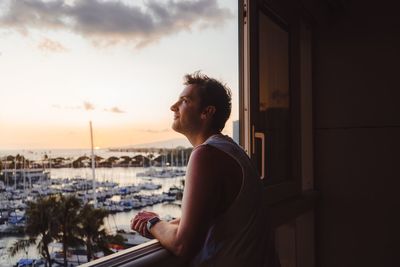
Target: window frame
{"points": [[248, 78]]}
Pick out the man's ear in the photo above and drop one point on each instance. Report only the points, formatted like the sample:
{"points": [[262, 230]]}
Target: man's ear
{"points": [[208, 112]]}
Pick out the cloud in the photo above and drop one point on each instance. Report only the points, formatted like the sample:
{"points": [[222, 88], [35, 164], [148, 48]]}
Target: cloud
{"points": [[57, 106], [112, 22], [114, 110], [117, 110], [154, 131], [49, 45], [88, 106]]}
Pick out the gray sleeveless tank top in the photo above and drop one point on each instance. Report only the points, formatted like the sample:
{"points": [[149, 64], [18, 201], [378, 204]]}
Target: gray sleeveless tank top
{"points": [[241, 235]]}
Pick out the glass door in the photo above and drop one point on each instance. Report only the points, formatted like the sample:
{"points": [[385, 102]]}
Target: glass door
{"points": [[269, 96]]}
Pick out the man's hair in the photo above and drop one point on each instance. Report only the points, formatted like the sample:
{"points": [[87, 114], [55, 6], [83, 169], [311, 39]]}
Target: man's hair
{"points": [[212, 93]]}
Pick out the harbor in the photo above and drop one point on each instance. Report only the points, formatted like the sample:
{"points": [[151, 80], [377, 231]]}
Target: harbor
{"points": [[122, 191]]}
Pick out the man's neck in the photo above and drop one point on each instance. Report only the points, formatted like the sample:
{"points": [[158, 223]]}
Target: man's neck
{"points": [[200, 138]]}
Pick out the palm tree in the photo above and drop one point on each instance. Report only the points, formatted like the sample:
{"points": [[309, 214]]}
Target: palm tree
{"points": [[78, 163], [22, 244], [65, 219], [40, 226], [150, 157], [112, 159], [68, 220], [92, 229]]}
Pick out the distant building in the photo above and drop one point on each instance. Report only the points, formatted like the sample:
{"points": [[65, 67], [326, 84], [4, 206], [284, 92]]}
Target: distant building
{"points": [[235, 131]]}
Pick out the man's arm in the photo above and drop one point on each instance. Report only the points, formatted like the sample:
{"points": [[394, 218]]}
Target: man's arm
{"points": [[199, 206], [175, 221]]}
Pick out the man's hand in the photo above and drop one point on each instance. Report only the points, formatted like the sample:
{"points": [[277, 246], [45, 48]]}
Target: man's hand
{"points": [[138, 223]]}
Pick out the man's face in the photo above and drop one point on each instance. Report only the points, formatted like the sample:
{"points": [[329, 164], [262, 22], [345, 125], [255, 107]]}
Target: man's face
{"points": [[187, 112]]}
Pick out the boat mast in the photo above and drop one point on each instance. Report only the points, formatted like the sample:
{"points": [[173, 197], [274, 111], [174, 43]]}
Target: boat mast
{"points": [[15, 173], [49, 159], [172, 157], [93, 167], [23, 173]]}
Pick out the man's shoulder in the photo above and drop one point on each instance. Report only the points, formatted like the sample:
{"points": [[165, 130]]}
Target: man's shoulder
{"points": [[210, 155], [206, 150]]}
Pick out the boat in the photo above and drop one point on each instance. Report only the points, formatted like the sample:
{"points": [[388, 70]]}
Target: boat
{"points": [[149, 186], [31, 263], [2, 186], [166, 172], [75, 256], [11, 229], [132, 238]]}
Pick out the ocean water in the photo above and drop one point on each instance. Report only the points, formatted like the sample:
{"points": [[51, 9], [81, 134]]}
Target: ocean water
{"points": [[118, 221]]}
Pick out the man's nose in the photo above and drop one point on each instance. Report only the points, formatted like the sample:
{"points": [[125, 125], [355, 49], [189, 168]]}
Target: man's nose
{"points": [[174, 107]]}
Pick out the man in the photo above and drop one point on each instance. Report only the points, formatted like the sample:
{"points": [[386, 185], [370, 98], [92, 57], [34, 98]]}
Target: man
{"points": [[222, 222]]}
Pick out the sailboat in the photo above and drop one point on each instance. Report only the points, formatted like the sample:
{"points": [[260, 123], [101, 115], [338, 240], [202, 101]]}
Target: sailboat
{"points": [[164, 172], [93, 166]]}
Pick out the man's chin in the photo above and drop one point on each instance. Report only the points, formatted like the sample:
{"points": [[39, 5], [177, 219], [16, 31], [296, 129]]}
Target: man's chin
{"points": [[175, 127]]}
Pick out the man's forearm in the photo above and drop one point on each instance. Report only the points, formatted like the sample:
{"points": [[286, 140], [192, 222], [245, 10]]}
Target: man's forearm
{"points": [[175, 221], [166, 233]]}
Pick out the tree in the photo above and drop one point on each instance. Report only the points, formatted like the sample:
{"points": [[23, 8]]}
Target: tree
{"points": [[65, 219], [68, 220], [18, 159], [109, 162], [21, 244], [91, 228], [112, 159], [40, 226], [98, 158], [78, 163]]}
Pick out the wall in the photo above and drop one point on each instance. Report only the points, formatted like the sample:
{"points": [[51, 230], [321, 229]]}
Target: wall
{"points": [[357, 133]]}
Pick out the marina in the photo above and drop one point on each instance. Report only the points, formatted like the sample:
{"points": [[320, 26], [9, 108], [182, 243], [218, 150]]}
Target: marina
{"points": [[123, 191]]}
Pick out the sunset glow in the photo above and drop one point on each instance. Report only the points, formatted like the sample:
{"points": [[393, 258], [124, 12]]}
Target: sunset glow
{"points": [[122, 71]]}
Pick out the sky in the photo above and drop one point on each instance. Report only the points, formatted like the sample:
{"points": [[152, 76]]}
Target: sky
{"points": [[117, 63]]}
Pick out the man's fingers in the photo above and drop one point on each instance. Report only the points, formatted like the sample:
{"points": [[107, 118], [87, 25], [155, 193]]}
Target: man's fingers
{"points": [[138, 223], [141, 228]]}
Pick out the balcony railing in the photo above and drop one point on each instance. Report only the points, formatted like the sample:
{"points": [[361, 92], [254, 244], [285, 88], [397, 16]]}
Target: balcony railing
{"points": [[153, 254], [147, 254]]}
